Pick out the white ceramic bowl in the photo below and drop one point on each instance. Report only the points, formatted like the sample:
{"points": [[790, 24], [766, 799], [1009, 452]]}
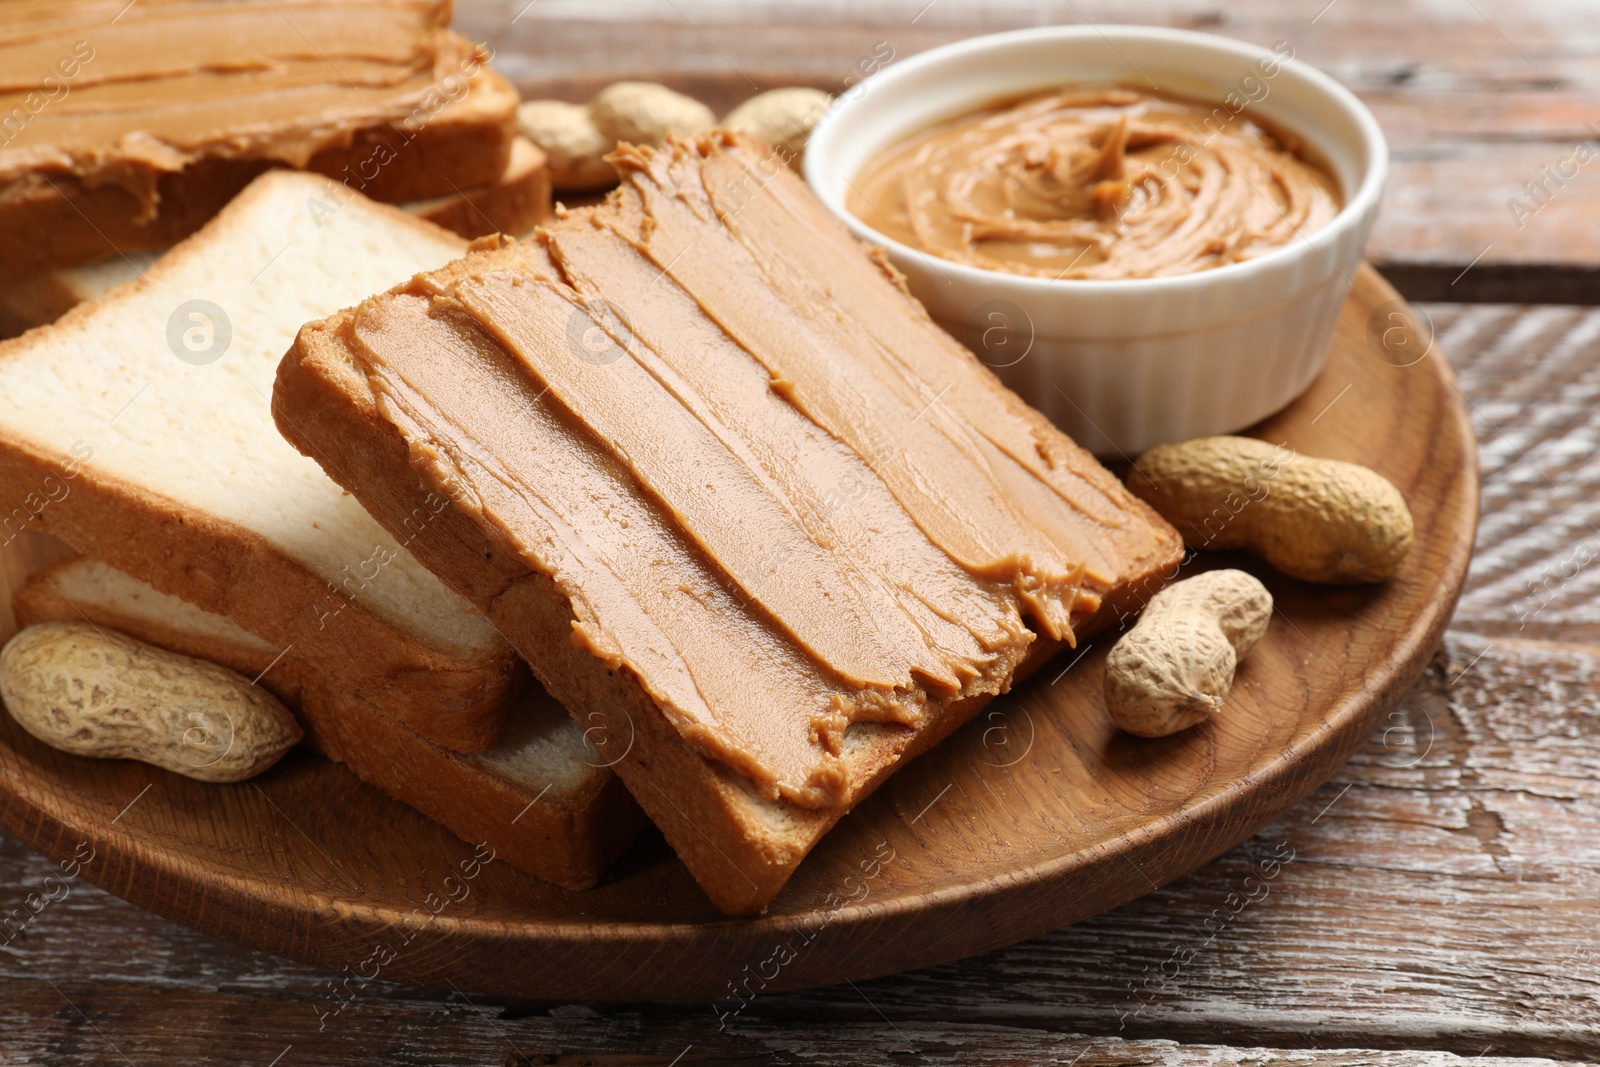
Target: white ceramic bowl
{"points": [[1123, 365]]}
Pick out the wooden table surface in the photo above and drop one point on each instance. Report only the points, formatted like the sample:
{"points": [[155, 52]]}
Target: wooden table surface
{"points": [[1436, 902]]}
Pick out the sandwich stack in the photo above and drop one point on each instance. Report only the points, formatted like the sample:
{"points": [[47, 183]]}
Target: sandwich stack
{"points": [[692, 455]]}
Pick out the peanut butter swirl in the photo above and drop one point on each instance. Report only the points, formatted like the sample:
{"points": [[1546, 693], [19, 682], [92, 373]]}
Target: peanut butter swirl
{"points": [[769, 487], [1097, 183]]}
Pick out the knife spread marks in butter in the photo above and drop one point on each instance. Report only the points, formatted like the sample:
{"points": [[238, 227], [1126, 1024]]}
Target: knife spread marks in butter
{"points": [[785, 500]]}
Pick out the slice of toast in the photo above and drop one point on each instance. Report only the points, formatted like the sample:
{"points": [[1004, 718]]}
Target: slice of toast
{"points": [[137, 429], [129, 125], [647, 424], [540, 797], [515, 204]]}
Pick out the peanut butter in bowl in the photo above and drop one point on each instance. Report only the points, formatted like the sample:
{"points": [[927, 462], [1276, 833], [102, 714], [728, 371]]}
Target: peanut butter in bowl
{"points": [[1097, 182], [1141, 266]]}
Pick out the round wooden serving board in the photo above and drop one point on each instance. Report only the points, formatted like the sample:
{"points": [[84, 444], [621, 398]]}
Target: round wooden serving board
{"points": [[1035, 815]]}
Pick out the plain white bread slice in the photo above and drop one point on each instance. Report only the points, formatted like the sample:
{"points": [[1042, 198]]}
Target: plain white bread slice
{"points": [[540, 797], [138, 429]]}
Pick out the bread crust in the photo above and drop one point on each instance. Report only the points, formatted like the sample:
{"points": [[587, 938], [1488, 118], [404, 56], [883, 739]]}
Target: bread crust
{"points": [[514, 205], [52, 221], [247, 579], [568, 838], [29, 302], [455, 700]]}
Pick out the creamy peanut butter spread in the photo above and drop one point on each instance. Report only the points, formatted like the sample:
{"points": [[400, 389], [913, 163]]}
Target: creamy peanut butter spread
{"points": [[1097, 182], [768, 485], [117, 92]]}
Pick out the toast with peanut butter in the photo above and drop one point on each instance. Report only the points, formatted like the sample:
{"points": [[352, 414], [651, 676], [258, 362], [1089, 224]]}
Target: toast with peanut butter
{"points": [[540, 797], [124, 127], [137, 428], [728, 490]]}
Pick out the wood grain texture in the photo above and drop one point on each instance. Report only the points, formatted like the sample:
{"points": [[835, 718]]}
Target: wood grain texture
{"points": [[1441, 896], [1534, 380], [1477, 99], [459, 1031], [1037, 814], [1406, 928], [1406, 921]]}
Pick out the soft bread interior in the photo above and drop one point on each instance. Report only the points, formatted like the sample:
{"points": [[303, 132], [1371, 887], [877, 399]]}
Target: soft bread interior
{"points": [[170, 385], [156, 399]]}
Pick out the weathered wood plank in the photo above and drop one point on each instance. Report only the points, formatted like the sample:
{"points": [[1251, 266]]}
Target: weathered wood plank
{"points": [[1533, 382], [1443, 893], [1440, 893], [1445, 900], [1447, 897], [109, 1026], [1477, 99]]}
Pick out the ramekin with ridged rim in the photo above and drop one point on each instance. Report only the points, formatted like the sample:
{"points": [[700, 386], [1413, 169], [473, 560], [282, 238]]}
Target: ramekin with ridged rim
{"points": [[1122, 365]]}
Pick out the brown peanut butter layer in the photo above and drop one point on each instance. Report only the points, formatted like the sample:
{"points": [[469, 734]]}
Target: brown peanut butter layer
{"points": [[987, 478], [173, 81], [771, 489], [762, 652], [148, 116]]}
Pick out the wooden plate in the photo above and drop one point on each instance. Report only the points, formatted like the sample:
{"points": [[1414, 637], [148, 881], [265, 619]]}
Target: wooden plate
{"points": [[1036, 815]]}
